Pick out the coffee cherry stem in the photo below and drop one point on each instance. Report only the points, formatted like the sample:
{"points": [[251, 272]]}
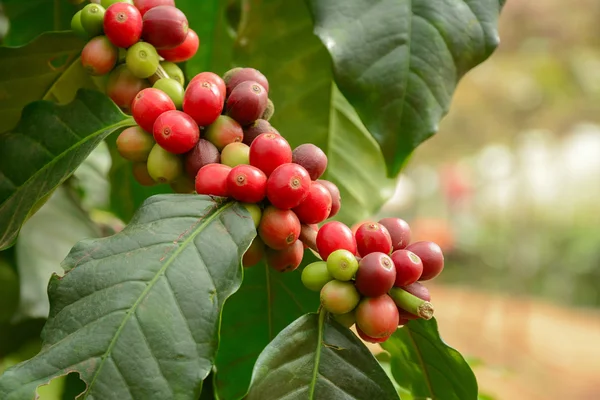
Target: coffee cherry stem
{"points": [[308, 236], [411, 303], [160, 73]]}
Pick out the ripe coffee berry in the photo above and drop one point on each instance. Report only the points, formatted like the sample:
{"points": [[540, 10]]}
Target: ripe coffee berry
{"points": [[213, 78], [287, 259], [333, 236], [247, 102], [238, 75], [408, 267], [254, 254], [165, 27], [145, 5], [315, 276], [142, 60], [184, 51], [339, 297], [399, 232], [235, 154], [342, 265], [123, 24], [99, 56], [316, 206], [432, 257], [370, 339], [378, 316], [376, 275], [202, 101], [163, 167], [135, 144], [224, 131], [372, 237], [123, 86], [247, 183], [258, 127], [287, 186], [148, 105], [336, 199], [268, 151], [278, 228], [172, 88], [203, 153], [176, 132], [212, 180], [311, 158]]}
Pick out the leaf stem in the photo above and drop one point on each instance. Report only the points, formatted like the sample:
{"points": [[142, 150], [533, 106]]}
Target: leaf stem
{"points": [[313, 383], [411, 303]]}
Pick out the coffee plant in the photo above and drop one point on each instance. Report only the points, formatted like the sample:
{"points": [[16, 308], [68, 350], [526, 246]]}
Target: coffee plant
{"points": [[245, 137]]}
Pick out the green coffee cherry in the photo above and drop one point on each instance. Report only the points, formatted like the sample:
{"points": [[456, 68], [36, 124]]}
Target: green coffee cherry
{"points": [[346, 320], [173, 89], [76, 26], [164, 167], [173, 71], [108, 3], [315, 276], [92, 19], [342, 265], [339, 297], [235, 154], [255, 212], [142, 60]]}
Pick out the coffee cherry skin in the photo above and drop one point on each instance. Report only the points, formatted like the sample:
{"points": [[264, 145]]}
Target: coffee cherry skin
{"points": [[176, 132], [258, 127], [123, 86], [254, 254], [92, 19], [348, 319], [235, 154], [279, 228], [286, 260], [247, 102], [99, 56], [239, 75], [312, 158], [172, 88], [123, 25], [255, 212], [287, 186], [247, 183], [145, 5], [184, 51], [202, 101], [165, 27], [332, 236], [372, 237], [223, 131], [336, 199], [399, 231], [76, 26], [140, 173], [315, 207], [315, 276], [268, 151], [203, 153], [342, 265], [377, 316], [409, 267], [213, 78], [142, 60], [432, 257], [135, 144], [370, 339], [339, 297], [212, 180], [163, 167], [148, 105], [376, 275]]}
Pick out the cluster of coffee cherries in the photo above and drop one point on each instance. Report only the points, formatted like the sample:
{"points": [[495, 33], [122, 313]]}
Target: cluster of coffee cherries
{"points": [[370, 277]]}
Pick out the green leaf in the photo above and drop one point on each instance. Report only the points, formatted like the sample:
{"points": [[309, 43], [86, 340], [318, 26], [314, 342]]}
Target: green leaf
{"points": [[46, 69], [426, 366], [43, 243], [277, 39], [316, 358], [9, 289], [398, 61], [137, 314], [267, 302], [91, 178], [45, 148]]}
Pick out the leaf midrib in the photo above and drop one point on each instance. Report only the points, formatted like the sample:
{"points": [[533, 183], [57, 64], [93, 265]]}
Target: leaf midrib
{"points": [[421, 361], [313, 383], [151, 284]]}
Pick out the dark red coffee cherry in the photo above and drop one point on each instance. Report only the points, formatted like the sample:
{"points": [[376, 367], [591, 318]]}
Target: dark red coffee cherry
{"points": [[377, 316], [213, 78], [247, 183], [212, 180], [416, 289], [254, 254], [123, 24], [176, 132], [288, 186], [165, 27], [148, 105], [123, 85], [184, 51], [268, 151], [336, 199], [286, 260], [203, 102], [203, 153], [372, 237], [335, 235], [238, 75], [399, 232], [311, 158], [279, 228], [432, 257], [99, 56], [376, 275], [258, 127], [408, 267], [145, 5], [370, 339], [247, 102], [315, 207], [225, 130]]}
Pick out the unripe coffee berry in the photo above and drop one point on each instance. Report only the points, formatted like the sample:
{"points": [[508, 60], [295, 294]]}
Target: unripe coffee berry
{"points": [[142, 60], [135, 144], [235, 154], [287, 186], [332, 236], [279, 228], [372, 237], [176, 132], [223, 131], [173, 89], [247, 183], [268, 151], [173, 71], [376, 275], [99, 56], [212, 180], [140, 173], [315, 276], [123, 24], [342, 265], [148, 105], [163, 167], [348, 319], [92, 19], [339, 297], [316, 207], [123, 86]]}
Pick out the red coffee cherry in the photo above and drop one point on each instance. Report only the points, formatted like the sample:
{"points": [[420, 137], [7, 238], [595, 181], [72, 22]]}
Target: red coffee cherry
{"points": [[123, 24], [268, 151], [247, 102], [247, 183], [123, 85], [332, 236], [399, 232], [99, 56], [279, 228], [376, 275], [286, 260], [408, 267], [213, 78], [184, 51], [148, 105], [145, 5], [165, 27], [336, 199], [316, 207], [370, 339], [212, 180], [432, 257], [288, 186], [203, 153], [238, 75], [372, 237], [312, 158], [378, 316], [254, 254], [176, 132], [202, 101]]}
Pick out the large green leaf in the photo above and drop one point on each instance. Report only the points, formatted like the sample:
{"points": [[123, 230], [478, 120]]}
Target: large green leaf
{"points": [[45, 148], [46, 69], [276, 37], [426, 366], [267, 302], [398, 61], [137, 314], [316, 358]]}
